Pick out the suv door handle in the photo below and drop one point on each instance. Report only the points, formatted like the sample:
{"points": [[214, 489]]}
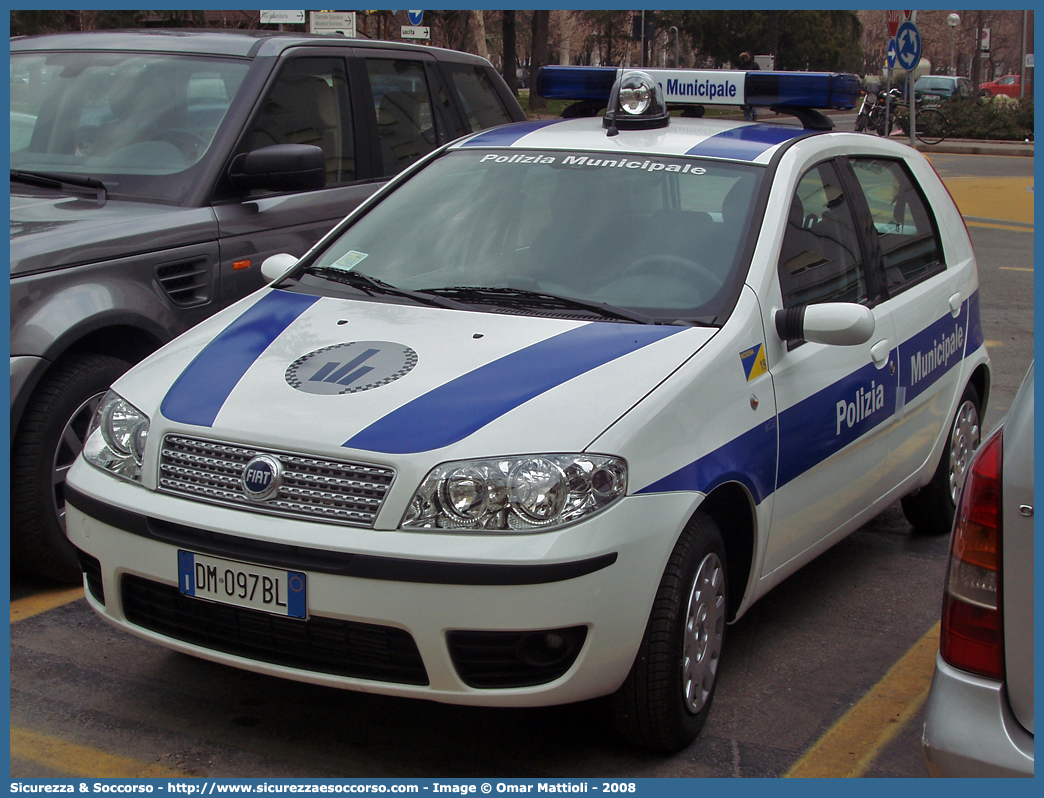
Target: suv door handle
{"points": [[955, 305]]}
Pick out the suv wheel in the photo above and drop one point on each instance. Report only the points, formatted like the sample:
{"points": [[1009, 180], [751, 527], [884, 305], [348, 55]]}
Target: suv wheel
{"points": [[51, 435]]}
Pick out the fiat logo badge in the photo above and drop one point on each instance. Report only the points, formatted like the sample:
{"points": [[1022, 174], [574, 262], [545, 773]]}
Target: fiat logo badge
{"points": [[262, 477]]}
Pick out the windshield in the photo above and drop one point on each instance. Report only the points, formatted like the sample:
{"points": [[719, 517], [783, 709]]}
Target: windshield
{"points": [[128, 119], [656, 235]]}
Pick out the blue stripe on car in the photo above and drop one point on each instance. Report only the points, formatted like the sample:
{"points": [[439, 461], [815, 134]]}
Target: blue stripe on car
{"points": [[199, 392], [462, 406], [509, 134], [745, 143], [812, 430]]}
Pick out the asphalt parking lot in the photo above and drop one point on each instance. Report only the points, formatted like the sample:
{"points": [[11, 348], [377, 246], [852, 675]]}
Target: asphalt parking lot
{"points": [[824, 676]]}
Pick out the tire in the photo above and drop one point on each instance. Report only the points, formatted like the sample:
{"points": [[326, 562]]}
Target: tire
{"points": [[931, 509], [667, 696], [861, 121], [985, 93], [931, 126], [50, 436]]}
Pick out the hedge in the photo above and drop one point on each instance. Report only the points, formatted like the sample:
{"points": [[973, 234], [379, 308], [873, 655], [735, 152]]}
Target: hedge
{"points": [[996, 118]]}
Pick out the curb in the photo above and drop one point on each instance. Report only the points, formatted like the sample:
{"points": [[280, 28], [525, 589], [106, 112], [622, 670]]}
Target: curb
{"points": [[968, 147]]}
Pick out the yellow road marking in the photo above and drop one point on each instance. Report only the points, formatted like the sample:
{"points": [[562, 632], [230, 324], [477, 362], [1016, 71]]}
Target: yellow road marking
{"points": [[1014, 269], [854, 742], [993, 344], [42, 602], [996, 226], [1000, 197], [77, 760]]}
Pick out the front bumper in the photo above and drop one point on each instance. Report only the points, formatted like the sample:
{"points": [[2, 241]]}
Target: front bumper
{"points": [[599, 575], [969, 729]]}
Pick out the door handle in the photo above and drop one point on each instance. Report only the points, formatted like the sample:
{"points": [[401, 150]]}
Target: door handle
{"points": [[955, 305], [880, 353]]}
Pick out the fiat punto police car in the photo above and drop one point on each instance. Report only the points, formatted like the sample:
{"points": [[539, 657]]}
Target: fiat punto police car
{"points": [[560, 402]]}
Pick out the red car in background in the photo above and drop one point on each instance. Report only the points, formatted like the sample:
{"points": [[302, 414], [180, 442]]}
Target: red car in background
{"points": [[1008, 85]]}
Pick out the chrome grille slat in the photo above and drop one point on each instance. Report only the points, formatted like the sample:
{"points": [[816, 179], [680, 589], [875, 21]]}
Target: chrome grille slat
{"points": [[333, 491]]}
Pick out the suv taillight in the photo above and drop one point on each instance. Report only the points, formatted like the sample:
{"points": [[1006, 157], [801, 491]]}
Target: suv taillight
{"points": [[972, 636]]}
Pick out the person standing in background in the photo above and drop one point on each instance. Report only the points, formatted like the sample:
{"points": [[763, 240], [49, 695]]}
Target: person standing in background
{"points": [[747, 63]]}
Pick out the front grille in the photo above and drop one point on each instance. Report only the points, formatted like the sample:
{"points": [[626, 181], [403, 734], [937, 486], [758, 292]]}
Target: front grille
{"points": [[320, 645], [315, 489]]}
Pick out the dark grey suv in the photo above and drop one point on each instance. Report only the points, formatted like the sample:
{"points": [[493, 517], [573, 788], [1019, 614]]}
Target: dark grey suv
{"points": [[151, 174]]}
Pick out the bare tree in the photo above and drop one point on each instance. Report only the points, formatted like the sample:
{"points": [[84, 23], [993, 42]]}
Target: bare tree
{"points": [[541, 31]]}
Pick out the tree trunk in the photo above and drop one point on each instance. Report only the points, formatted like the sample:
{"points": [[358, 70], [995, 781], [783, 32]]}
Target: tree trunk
{"points": [[541, 31], [477, 31], [510, 52]]}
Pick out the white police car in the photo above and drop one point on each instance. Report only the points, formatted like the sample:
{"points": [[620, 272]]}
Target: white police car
{"points": [[536, 422]]}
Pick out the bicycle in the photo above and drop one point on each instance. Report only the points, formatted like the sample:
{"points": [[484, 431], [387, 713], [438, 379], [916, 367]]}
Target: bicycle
{"points": [[932, 126]]}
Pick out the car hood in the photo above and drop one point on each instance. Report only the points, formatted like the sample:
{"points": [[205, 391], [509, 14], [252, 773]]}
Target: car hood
{"points": [[52, 231], [388, 382]]}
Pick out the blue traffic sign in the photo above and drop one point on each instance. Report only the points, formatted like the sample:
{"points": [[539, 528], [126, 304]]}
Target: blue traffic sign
{"points": [[891, 53], [908, 42], [416, 17]]}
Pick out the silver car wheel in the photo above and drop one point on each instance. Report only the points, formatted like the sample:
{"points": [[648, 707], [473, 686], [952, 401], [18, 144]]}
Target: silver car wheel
{"points": [[704, 632], [963, 443], [69, 447]]}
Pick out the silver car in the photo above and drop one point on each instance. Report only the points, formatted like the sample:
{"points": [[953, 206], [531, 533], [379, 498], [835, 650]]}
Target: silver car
{"points": [[980, 709]]}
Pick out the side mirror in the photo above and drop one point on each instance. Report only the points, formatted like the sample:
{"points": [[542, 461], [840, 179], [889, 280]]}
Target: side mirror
{"points": [[281, 167], [275, 266], [832, 323]]}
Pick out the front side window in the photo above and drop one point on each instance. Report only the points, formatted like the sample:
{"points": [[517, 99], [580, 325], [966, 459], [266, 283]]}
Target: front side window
{"points": [[820, 260], [128, 119], [405, 122], [910, 244], [662, 236], [309, 104]]}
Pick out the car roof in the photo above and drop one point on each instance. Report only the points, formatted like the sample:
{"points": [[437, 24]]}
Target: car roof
{"points": [[722, 139], [235, 43]]}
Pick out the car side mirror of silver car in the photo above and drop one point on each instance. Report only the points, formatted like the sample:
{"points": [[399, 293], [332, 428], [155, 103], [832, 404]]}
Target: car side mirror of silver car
{"points": [[275, 266], [280, 167], [832, 323]]}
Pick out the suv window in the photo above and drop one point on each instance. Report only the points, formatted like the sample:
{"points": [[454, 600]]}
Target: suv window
{"points": [[820, 260], [402, 102], [482, 106], [309, 104], [910, 244]]}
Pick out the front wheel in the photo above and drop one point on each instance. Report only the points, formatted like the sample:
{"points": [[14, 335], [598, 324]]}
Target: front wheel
{"points": [[931, 126], [667, 696], [931, 509], [861, 121], [51, 435]]}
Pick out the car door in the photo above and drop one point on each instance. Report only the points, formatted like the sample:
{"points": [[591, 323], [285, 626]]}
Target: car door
{"points": [[310, 100], [929, 304], [835, 402]]}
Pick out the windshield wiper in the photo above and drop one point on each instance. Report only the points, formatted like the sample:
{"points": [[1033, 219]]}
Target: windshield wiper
{"points": [[373, 286], [58, 179], [523, 298]]}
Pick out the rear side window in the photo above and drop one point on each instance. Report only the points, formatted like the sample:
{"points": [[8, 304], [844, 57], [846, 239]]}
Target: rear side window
{"points": [[402, 102], [482, 106], [820, 260], [906, 232]]}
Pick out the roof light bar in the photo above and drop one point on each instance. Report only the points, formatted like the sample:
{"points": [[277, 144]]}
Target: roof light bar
{"points": [[709, 86]]}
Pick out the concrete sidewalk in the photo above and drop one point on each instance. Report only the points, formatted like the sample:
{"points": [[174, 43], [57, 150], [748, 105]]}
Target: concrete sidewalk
{"points": [[976, 147]]}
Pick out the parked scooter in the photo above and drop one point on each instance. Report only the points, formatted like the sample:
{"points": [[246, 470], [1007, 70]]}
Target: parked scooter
{"points": [[874, 112]]}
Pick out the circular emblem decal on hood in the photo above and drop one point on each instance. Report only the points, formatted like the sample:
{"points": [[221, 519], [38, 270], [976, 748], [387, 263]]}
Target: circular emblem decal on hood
{"points": [[350, 368]]}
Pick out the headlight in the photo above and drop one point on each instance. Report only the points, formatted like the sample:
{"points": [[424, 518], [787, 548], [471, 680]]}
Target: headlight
{"points": [[116, 440], [528, 493]]}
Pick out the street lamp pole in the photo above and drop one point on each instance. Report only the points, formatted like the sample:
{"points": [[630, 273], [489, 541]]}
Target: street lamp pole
{"points": [[953, 21]]}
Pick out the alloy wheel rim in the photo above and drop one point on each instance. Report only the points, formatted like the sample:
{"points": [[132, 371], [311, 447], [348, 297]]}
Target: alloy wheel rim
{"points": [[70, 444], [963, 443], [703, 633]]}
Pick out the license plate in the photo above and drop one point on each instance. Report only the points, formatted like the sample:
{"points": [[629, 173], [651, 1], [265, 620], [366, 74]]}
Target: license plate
{"points": [[242, 584]]}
